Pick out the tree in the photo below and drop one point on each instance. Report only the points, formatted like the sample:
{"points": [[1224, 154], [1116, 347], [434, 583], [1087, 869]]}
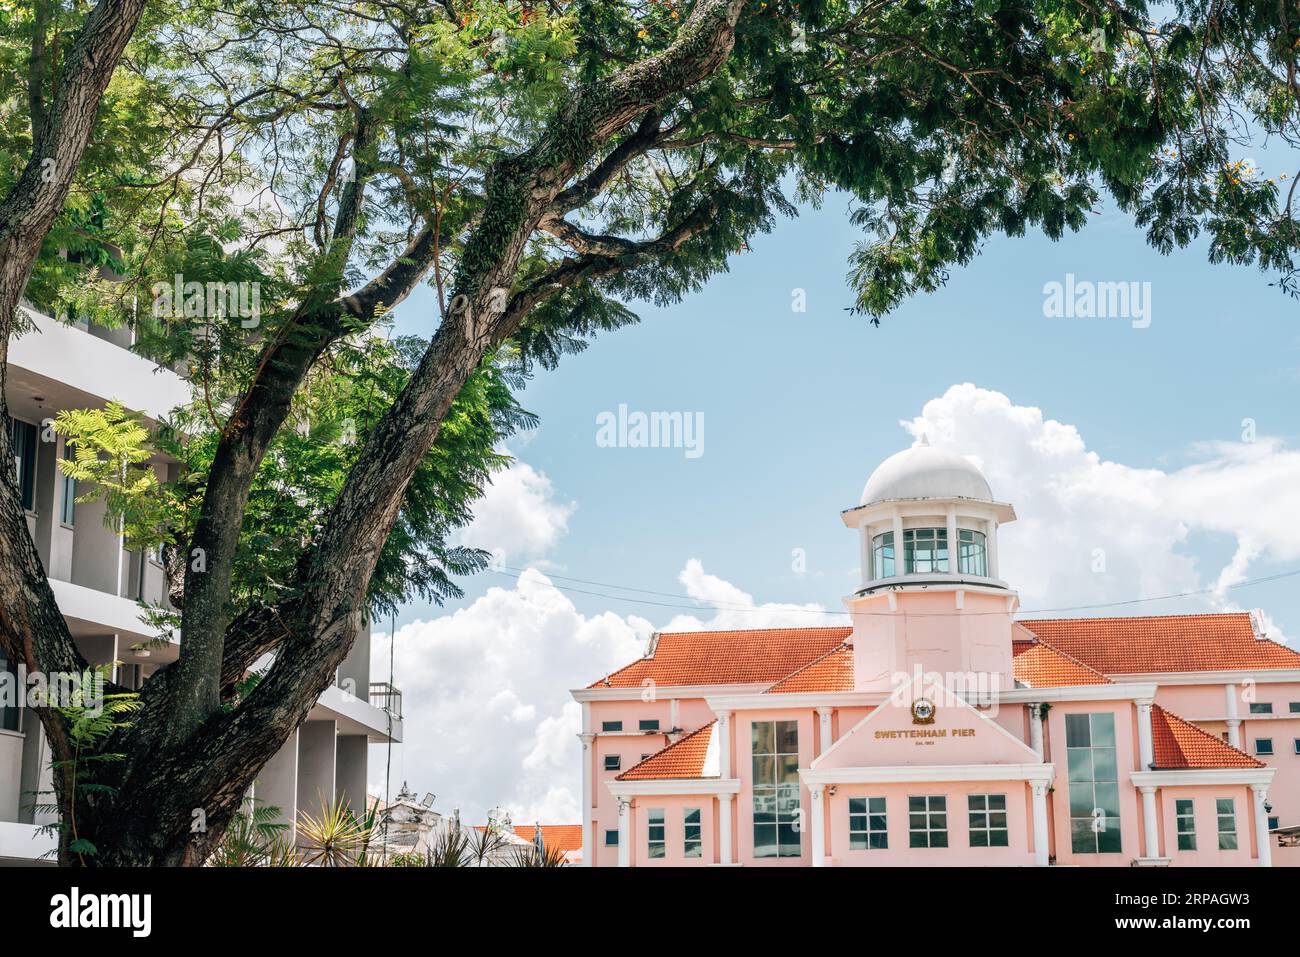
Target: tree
{"points": [[542, 165]]}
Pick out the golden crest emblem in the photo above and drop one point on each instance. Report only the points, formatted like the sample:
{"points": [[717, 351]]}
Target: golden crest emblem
{"points": [[922, 711]]}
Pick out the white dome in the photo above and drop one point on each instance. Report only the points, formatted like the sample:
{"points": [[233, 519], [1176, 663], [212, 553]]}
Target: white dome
{"points": [[925, 472]]}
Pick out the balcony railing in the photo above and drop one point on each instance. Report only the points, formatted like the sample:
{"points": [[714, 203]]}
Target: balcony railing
{"points": [[387, 698]]}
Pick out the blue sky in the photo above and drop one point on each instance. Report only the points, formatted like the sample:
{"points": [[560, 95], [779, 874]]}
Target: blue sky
{"points": [[1137, 451]]}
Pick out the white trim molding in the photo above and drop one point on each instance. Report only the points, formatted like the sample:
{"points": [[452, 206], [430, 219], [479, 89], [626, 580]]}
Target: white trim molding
{"points": [[665, 693], [927, 774], [670, 786], [1259, 676], [1173, 777]]}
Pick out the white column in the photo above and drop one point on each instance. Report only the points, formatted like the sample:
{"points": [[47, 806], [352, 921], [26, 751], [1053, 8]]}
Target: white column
{"points": [[1036, 728], [724, 743], [624, 833], [1039, 789], [824, 720], [953, 565], [864, 548], [817, 829], [724, 828], [588, 838], [900, 566], [672, 715], [992, 542], [1150, 828], [1234, 723], [1263, 841], [1146, 745]]}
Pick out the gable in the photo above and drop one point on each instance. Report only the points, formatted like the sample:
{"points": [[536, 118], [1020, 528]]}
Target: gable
{"points": [[889, 737]]}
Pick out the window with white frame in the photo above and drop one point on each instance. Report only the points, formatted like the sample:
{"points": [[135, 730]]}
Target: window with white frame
{"points": [[988, 820], [648, 724], [68, 489], [611, 726], [611, 837], [1261, 707], [656, 833], [692, 833], [1264, 746], [1226, 809], [775, 755], [882, 551], [867, 824], [1185, 815], [925, 550], [613, 762], [1094, 783], [927, 820], [1297, 745], [972, 552], [1273, 823]]}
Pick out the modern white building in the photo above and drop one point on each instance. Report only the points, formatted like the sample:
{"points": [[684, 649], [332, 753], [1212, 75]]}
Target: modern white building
{"points": [[99, 583]]}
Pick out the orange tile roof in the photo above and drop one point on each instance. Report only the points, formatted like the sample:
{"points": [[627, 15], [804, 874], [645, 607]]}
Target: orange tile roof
{"points": [[1163, 643], [727, 657], [1037, 664], [831, 672], [1181, 744], [682, 759], [566, 837]]}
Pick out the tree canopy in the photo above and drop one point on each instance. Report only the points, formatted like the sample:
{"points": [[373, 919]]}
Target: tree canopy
{"points": [[544, 166]]}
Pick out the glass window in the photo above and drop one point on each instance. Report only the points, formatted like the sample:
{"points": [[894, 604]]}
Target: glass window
{"points": [[1227, 812], [692, 834], [988, 820], [1264, 746], [1297, 745], [1273, 823], [22, 442], [657, 838], [925, 550], [775, 757], [971, 552], [1295, 707], [867, 824], [1261, 707], [612, 762], [611, 726], [648, 724], [882, 550], [1093, 772], [611, 837], [927, 821], [10, 694], [68, 489], [1183, 811]]}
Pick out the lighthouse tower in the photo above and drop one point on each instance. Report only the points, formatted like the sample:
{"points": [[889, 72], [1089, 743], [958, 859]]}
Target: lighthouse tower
{"points": [[930, 597]]}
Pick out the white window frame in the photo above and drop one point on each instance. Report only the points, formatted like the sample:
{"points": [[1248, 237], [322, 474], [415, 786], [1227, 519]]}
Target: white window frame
{"points": [[1230, 816], [618, 762], [860, 823], [1187, 818], [1268, 751], [930, 812], [692, 833], [656, 834], [985, 814]]}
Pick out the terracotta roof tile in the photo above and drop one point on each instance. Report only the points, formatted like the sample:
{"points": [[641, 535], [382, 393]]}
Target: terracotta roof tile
{"points": [[1181, 744], [1163, 643], [831, 672], [567, 837], [1037, 664], [727, 657], [682, 759]]}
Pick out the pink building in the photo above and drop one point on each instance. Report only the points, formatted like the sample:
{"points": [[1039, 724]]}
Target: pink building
{"points": [[940, 730]]}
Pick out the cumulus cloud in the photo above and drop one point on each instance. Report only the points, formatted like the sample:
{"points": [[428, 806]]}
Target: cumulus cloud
{"points": [[519, 517], [735, 608], [1093, 531]]}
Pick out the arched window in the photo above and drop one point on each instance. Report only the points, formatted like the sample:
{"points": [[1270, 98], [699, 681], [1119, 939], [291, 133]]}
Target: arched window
{"points": [[972, 552]]}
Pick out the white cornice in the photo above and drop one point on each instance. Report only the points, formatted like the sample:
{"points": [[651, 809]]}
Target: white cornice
{"points": [[803, 700], [665, 692], [926, 774], [1102, 692], [671, 786], [1259, 676], [1174, 776]]}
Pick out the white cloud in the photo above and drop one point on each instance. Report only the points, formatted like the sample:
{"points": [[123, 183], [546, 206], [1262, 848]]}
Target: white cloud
{"points": [[737, 609], [485, 690], [519, 516], [1093, 531]]}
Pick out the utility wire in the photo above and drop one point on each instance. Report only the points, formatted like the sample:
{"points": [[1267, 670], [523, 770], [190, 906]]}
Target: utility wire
{"points": [[512, 572]]}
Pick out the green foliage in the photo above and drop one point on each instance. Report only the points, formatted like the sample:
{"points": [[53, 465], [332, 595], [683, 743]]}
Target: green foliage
{"points": [[255, 838]]}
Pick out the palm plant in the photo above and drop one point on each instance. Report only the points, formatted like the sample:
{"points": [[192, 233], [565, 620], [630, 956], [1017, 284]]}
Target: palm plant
{"points": [[451, 848], [254, 837], [335, 838], [482, 845], [531, 857]]}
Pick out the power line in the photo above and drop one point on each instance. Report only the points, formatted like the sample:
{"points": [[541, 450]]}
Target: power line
{"points": [[700, 604]]}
